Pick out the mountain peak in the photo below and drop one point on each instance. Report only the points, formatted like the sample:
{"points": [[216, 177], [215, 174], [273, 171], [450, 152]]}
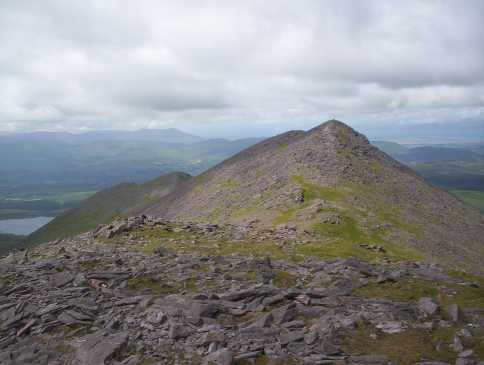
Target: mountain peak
{"points": [[340, 132], [333, 124]]}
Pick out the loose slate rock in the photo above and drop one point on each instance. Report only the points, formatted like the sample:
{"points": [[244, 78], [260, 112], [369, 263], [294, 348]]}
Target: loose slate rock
{"points": [[220, 357], [98, 348], [61, 279]]}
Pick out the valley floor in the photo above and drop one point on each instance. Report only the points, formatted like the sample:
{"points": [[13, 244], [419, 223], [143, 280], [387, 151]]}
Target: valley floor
{"points": [[147, 291]]}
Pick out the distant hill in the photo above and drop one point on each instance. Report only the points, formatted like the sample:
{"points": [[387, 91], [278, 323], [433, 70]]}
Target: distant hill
{"points": [[330, 181], [433, 154], [47, 164], [455, 167], [119, 201], [169, 135], [425, 154], [391, 148]]}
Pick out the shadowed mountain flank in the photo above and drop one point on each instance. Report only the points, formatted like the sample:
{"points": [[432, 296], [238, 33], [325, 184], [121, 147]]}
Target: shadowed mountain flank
{"points": [[330, 183], [103, 207]]}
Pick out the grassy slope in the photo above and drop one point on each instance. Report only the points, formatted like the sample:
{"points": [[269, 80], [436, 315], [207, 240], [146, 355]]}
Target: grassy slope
{"points": [[9, 241], [104, 206]]}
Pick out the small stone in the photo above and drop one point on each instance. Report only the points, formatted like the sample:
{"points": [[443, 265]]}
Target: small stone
{"points": [[427, 306], [391, 326], [178, 331], [453, 312], [464, 332], [456, 344], [219, 357], [303, 299], [467, 353], [156, 317]]}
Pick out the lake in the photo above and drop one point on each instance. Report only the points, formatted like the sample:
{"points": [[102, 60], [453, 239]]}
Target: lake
{"points": [[23, 226]]}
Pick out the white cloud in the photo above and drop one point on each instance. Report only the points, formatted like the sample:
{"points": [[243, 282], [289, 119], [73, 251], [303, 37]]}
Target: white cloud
{"points": [[123, 64]]}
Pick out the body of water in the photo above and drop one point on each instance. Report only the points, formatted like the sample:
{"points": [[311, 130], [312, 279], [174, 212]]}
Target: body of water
{"points": [[23, 226]]}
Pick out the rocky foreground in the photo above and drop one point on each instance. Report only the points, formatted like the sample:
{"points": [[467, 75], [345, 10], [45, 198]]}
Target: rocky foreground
{"points": [[147, 291]]}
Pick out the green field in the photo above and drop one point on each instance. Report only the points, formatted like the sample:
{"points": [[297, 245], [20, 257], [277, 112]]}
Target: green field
{"points": [[48, 206], [475, 198]]}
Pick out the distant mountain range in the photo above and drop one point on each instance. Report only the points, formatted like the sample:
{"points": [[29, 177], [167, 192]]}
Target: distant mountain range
{"points": [[45, 164], [169, 135], [422, 154]]}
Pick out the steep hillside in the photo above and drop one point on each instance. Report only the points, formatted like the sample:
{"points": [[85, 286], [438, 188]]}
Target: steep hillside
{"points": [[334, 188], [119, 201]]}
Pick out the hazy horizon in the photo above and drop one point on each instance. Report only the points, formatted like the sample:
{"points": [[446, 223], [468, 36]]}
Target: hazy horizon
{"points": [[419, 134]]}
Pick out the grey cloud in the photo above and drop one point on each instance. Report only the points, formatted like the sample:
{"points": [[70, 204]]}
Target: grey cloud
{"points": [[120, 64]]}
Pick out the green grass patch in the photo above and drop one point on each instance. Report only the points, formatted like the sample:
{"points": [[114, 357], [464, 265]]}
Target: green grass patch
{"points": [[6, 280], [284, 279], [465, 296], [227, 184], [284, 217], [314, 191], [63, 348], [334, 247], [411, 290], [282, 146], [156, 237], [346, 230], [405, 348], [345, 249]]}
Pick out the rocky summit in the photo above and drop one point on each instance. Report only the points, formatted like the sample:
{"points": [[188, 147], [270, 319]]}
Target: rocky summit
{"points": [[308, 248]]}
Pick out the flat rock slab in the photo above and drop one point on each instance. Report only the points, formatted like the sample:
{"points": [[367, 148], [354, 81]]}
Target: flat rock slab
{"points": [[98, 348], [61, 279]]}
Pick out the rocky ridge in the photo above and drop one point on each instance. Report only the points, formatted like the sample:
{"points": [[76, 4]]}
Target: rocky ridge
{"points": [[146, 290], [331, 181]]}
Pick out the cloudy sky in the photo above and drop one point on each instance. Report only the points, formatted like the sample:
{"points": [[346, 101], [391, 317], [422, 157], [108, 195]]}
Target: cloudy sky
{"points": [[227, 68]]}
